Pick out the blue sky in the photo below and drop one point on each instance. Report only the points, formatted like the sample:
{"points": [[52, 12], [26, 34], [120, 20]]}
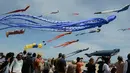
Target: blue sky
{"points": [[108, 38]]}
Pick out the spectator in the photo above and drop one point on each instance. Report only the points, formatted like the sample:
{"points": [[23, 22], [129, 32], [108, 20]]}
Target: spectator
{"points": [[5, 65], [79, 64], [16, 66], [27, 64], [101, 63], [33, 62], [62, 65], [47, 66], [56, 62], [127, 65], [91, 66], [120, 64], [38, 64], [72, 67], [106, 67]]}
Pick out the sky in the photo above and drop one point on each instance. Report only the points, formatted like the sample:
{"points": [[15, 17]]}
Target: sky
{"points": [[108, 38]]}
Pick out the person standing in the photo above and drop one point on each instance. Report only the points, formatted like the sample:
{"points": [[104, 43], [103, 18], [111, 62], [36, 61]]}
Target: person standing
{"points": [[119, 65], [91, 66], [38, 64], [56, 62], [72, 67], [17, 64], [62, 65], [106, 68], [127, 65], [79, 65], [27, 64]]}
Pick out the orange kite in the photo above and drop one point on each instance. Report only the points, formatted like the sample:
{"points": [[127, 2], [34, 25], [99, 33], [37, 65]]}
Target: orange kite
{"points": [[59, 36], [19, 10], [67, 43]]}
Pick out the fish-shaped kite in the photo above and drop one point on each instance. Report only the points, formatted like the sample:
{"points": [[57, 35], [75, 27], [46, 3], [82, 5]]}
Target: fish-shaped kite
{"points": [[55, 12], [115, 10], [104, 53], [15, 32]]}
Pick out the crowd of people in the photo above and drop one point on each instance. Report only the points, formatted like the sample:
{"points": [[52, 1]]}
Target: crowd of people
{"points": [[26, 62]]}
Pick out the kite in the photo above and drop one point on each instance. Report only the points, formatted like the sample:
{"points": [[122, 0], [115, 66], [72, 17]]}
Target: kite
{"points": [[75, 13], [15, 32], [59, 36], [92, 31], [55, 12], [54, 26], [66, 43], [80, 34], [19, 10], [104, 53], [115, 10], [125, 29], [34, 45], [76, 52]]}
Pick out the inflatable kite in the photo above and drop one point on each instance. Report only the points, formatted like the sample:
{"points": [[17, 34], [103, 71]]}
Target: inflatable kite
{"points": [[104, 53], [55, 12], [92, 31], [59, 36], [34, 45], [19, 10], [115, 10], [125, 29], [66, 43], [76, 52], [40, 23], [15, 32]]}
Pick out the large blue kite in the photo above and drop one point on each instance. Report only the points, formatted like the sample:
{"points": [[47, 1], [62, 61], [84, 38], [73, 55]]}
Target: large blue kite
{"points": [[41, 23]]}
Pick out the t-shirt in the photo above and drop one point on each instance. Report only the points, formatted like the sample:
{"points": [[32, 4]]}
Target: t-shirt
{"points": [[119, 67], [106, 68], [16, 66], [78, 67], [38, 62]]}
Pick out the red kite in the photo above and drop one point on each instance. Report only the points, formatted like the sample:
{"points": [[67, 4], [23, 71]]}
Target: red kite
{"points": [[19, 10], [59, 36], [67, 43]]}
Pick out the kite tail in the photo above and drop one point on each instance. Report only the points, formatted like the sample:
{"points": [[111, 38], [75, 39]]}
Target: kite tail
{"points": [[38, 18]]}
